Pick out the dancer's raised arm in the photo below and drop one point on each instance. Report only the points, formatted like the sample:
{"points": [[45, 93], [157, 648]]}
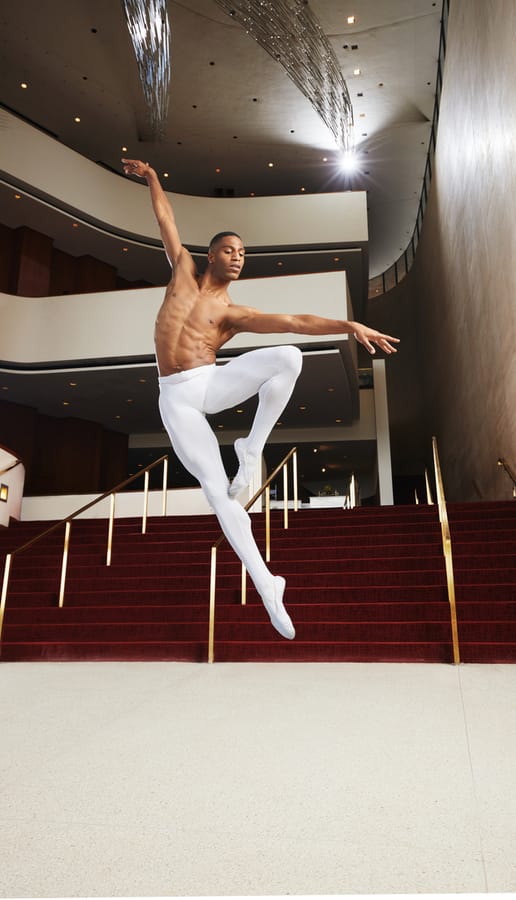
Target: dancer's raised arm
{"points": [[162, 208]]}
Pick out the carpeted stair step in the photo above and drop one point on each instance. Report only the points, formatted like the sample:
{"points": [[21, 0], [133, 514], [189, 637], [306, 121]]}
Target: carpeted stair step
{"points": [[362, 585]]}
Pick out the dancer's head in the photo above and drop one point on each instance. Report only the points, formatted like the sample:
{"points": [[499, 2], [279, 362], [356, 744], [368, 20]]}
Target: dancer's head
{"points": [[226, 255]]}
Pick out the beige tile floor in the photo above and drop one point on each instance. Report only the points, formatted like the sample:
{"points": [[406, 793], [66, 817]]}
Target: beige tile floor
{"points": [[163, 779]]}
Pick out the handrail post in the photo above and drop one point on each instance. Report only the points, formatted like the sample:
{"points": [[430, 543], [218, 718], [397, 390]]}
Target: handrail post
{"points": [[243, 588], [268, 523], [145, 501], [5, 582], [64, 564], [165, 484], [447, 550], [429, 498], [285, 496], [110, 529], [211, 629], [352, 492], [294, 479]]}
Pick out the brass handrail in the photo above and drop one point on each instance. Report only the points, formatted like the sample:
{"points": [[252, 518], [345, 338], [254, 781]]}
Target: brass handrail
{"points": [[265, 488], [510, 472], [12, 466], [67, 522], [447, 550]]}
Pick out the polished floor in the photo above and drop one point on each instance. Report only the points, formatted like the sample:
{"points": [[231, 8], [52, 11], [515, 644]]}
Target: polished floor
{"points": [[165, 779]]}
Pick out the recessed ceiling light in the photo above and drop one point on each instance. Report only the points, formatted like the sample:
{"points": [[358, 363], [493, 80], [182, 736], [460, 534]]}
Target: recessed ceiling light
{"points": [[279, 263], [217, 169], [356, 71], [270, 165], [142, 380], [77, 119], [72, 383], [302, 408], [220, 426], [302, 190], [75, 224], [338, 420], [125, 249], [124, 149], [66, 403], [17, 196], [165, 174], [325, 159], [240, 410], [24, 85], [323, 469], [351, 20]]}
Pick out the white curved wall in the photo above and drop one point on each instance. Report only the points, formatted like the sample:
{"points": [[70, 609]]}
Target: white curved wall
{"points": [[30, 157], [121, 323]]}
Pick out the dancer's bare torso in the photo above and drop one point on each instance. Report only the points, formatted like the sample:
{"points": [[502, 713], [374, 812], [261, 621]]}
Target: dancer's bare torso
{"points": [[191, 324]]}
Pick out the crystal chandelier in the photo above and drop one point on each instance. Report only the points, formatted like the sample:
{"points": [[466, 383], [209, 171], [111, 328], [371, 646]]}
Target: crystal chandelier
{"points": [[290, 32], [147, 21]]}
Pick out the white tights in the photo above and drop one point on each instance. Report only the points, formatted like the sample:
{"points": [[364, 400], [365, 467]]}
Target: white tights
{"points": [[186, 398]]}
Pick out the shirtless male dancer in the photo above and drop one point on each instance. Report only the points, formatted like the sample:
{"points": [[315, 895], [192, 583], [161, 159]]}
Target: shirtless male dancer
{"points": [[196, 318]]}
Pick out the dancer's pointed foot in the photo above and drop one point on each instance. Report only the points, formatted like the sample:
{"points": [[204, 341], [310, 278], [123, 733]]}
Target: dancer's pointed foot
{"points": [[246, 467], [278, 615]]}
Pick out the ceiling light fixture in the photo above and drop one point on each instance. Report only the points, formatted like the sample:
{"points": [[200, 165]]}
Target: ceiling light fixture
{"points": [[148, 25], [351, 20], [24, 85], [357, 71], [348, 163], [291, 33]]}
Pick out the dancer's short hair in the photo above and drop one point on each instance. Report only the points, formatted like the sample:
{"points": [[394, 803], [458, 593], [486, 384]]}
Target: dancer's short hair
{"points": [[222, 234]]}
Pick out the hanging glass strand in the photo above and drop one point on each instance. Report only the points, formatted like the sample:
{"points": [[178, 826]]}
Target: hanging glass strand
{"points": [[147, 21], [290, 32]]}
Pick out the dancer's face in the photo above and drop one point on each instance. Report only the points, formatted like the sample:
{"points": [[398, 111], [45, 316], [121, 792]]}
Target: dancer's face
{"points": [[226, 258]]}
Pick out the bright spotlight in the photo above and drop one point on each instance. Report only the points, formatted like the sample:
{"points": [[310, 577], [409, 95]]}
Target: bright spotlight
{"points": [[348, 163]]}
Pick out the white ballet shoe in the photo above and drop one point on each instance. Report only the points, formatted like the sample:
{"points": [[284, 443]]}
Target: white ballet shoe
{"points": [[245, 469], [278, 615]]}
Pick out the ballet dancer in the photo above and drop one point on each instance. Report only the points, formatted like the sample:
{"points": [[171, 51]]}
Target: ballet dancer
{"points": [[195, 319]]}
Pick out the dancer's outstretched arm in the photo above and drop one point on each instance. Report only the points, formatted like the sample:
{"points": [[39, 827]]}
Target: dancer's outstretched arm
{"points": [[243, 318], [162, 208]]}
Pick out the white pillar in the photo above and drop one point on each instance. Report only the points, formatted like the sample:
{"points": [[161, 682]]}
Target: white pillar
{"points": [[383, 443]]}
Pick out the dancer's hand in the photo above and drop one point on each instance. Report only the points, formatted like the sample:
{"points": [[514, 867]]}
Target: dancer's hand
{"points": [[136, 167], [368, 337]]}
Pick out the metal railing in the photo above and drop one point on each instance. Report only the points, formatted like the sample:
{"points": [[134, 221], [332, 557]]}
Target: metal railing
{"points": [[67, 522], [447, 550], [265, 488], [392, 276], [12, 466], [510, 472]]}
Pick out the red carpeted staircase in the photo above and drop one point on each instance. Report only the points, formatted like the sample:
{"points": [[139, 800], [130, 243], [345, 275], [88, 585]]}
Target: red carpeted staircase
{"points": [[363, 585]]}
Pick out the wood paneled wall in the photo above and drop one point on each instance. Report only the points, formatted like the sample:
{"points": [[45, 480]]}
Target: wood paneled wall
{"points": [[30, 266], [63, 455]]}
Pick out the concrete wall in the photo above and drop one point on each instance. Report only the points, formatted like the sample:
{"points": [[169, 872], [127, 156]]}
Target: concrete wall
{"points": [[455, 375]]}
